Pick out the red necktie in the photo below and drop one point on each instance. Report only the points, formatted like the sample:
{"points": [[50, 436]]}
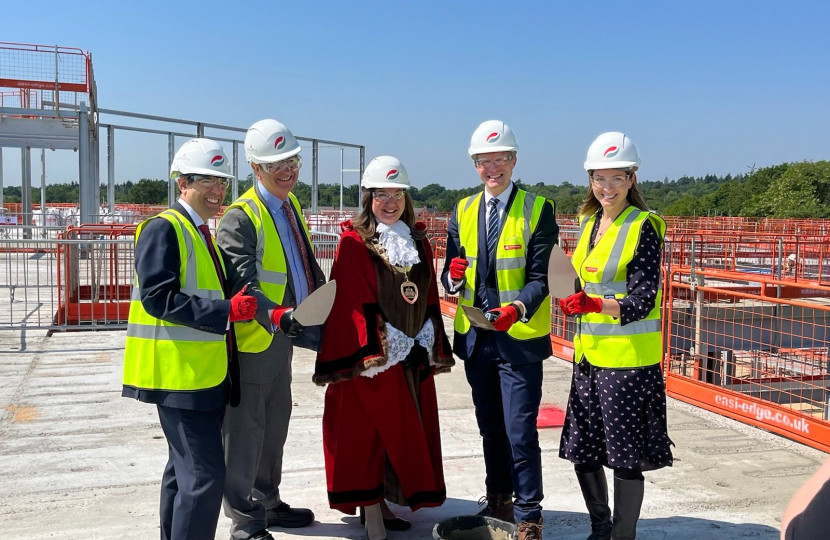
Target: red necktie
{"points": [[203, 228], [309, 275]]}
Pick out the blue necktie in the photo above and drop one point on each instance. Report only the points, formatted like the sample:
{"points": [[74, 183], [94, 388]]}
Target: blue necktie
{"points": [[492, 238]]}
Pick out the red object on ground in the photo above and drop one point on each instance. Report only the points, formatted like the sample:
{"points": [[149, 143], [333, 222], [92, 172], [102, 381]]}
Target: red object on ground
{"points": [[550, 416]]}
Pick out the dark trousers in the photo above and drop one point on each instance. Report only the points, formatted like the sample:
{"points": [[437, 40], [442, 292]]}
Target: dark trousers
{"points": [[507, 397], [194, 478]]}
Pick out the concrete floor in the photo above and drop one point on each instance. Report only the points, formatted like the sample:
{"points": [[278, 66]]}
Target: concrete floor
{"points": [[80, 462]]}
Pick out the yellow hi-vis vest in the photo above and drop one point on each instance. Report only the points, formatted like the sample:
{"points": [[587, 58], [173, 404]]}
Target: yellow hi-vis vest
{"points": [[161, 355], [603, 273], [519, 224], [272, 275]]}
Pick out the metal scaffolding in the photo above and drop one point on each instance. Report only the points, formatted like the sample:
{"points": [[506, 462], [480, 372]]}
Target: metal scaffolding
{"points": [[52, 104]]}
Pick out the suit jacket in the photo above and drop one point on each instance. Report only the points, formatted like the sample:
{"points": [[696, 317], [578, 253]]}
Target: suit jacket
{"points": [[236, 237], [534, 295], [158, 265]]}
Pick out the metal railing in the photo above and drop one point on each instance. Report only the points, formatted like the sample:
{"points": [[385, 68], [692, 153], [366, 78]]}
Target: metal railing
{"points": [[82, 280]]}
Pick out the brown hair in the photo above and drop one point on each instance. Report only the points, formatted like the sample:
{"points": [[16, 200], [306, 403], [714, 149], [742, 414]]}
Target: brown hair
{"points": [[366, 224], [590, 204]]}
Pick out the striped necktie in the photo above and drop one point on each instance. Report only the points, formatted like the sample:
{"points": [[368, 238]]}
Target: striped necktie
{"points": [[492, 237]]}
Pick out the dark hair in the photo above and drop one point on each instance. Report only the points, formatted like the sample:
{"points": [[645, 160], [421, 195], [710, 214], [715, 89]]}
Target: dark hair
{"points": [[366, 224], [590, 204]]}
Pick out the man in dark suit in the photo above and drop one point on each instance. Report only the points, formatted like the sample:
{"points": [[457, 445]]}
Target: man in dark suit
{"points": [[266, 245], [498, 245], [178, 347]]}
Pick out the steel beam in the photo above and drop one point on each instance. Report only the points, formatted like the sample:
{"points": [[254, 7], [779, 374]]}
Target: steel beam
{"points": [[111, 169], [359, 186], [172, 185], [86, 210], [235, 188], [315, 163], [43, 185], [26, 189]]}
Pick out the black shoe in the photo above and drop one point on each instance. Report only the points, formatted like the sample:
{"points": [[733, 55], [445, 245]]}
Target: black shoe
{"points": [[391, 524], [259, 535], [288, 518]]}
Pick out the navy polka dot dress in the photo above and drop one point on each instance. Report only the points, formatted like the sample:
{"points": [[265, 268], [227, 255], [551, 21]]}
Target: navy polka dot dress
{"points": [[617, 417]]}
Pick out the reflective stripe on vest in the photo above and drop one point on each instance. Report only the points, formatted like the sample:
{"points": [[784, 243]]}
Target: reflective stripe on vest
{"points": [[519, 224], [161, 355], [271, 265], [603, 272]]}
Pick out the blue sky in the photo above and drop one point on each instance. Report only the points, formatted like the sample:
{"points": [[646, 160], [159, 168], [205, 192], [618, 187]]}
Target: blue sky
{"points": [[701, 87]]}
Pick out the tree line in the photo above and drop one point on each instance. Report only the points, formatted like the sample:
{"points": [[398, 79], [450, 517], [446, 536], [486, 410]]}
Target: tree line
{"points": [[787, 190]]}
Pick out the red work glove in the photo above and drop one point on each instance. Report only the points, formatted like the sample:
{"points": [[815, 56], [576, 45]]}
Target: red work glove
{"points": [[283, 317], [579, 303], [504, 317], [243, 306], [457, 268]]}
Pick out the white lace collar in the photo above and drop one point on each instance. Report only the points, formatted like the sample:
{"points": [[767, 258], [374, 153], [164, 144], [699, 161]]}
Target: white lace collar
{"points": [[397, 241]]}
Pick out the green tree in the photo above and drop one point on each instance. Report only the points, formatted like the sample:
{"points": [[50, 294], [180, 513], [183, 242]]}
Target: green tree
{"points": [[148, 191]]}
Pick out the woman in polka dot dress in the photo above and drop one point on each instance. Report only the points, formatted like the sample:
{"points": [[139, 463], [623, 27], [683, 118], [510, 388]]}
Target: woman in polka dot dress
{"points": [[616, 413]]}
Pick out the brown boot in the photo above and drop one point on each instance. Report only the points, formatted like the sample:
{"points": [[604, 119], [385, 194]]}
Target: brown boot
{"points": [[528, 530], [499, 506]]}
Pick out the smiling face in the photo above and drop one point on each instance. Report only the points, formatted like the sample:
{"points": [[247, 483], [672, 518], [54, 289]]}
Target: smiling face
{"points": [[388, 204], [610, 187], [495, 170], [206, 201]]}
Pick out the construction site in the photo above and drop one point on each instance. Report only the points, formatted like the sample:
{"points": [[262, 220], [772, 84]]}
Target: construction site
{"points": [[746, 333]]}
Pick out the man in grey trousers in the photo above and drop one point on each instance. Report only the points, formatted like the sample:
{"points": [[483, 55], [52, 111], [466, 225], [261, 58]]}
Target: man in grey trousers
{"points": [[266, 246]]}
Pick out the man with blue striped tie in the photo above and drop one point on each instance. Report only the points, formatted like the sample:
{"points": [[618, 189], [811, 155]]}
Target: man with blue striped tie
{"points": [[498, 245]]}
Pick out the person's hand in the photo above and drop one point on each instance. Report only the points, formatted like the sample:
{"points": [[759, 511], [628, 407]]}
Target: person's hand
{"points": [[243, 306], [504, 317], [579, 303], [458, 266], [283, 317]]}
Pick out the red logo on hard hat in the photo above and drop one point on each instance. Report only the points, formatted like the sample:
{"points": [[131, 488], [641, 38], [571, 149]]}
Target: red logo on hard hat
{"points": [[391, 175], [217, 161], [493, 137], [279, 143], [611, 152]]}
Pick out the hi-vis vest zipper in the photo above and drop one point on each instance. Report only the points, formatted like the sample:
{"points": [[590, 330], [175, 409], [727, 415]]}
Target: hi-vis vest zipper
{"points": [[161, 355], [519, 224], [251, 337], [603, 274]]}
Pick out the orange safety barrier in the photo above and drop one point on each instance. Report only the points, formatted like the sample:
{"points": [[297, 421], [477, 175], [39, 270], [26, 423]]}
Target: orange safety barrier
{"points": [[755, 358], [94, 278], [739, 343]]}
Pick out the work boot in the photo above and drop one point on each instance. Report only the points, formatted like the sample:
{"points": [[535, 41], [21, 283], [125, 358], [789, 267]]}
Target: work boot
{"points": [[499, 506], [595, 492], [628, 499], [530, 530]]}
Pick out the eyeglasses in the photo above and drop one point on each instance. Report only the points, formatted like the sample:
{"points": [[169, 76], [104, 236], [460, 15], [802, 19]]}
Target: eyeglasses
{"points": [[383, 197], [616, 181], [498, 162], [290, 164], [209, 181]]}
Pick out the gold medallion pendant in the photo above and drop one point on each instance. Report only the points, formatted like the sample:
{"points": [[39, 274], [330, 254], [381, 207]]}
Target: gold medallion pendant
{"points": [[409, 291]]}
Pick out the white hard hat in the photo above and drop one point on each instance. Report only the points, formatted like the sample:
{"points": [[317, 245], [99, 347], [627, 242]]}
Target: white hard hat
{"points": [[201, 156], [791, 256], [385, 172], [269, 141], [612, 150], [493, 136]]}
